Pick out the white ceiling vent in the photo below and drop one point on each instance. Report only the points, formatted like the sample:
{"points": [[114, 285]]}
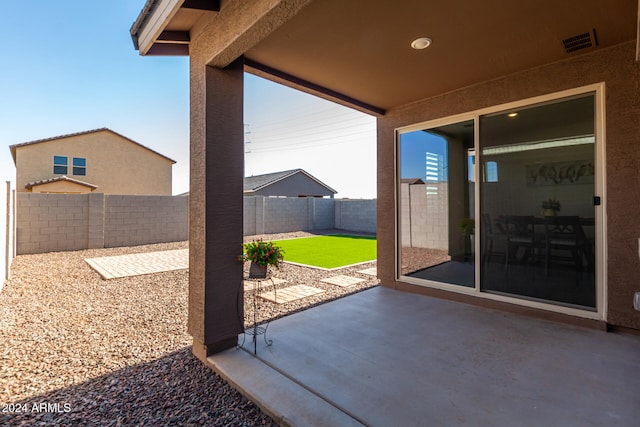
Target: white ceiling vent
{"points": [[579, 42]]}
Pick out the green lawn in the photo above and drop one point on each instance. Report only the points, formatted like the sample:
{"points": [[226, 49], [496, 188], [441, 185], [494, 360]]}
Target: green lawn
{"points": [[332, 251]]}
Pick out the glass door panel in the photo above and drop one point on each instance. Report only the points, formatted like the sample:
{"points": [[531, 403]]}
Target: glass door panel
{"points": [[537, 191], [436, 204]]}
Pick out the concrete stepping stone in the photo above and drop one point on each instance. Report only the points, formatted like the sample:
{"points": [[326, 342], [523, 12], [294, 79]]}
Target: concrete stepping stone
{"points": [[373, 271], [292, 293], [112, 267], [342, 281], [250, 285]]}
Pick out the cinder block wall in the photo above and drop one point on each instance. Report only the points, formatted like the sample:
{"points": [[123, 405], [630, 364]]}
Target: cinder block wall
{"points": [[66, 222], [264, 215], [249, 216], [322, 213], [51, 222], [141, 220], [283, 214], [356, 215]]}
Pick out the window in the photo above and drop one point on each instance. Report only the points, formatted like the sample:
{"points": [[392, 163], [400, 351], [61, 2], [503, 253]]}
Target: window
{"points": [[491, 171], [79, 166], [60, 165]]}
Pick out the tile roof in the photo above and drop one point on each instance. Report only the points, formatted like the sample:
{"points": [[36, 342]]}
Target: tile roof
{"points": [[53, 138], [56, 179], [411, 181]]}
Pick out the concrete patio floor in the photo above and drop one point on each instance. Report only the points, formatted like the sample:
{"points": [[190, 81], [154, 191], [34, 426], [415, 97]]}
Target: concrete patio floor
{"points": [[388, 358]]}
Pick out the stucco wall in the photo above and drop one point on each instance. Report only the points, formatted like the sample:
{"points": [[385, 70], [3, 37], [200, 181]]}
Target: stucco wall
{"points": [[114, 164], [617, 68]]}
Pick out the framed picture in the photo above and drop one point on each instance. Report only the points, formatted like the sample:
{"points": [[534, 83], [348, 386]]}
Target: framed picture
{"points": [[560, 173]]}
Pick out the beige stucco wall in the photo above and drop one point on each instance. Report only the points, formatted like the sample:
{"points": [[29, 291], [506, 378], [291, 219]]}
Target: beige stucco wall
{"points": [[115, 164]]}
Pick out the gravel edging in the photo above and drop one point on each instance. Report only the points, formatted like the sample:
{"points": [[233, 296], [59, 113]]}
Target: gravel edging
{"points": [[116, 352]]}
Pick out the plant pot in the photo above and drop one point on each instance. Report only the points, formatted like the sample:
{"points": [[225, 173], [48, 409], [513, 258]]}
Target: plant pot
{"points": [[257, 271], [549, 212]]}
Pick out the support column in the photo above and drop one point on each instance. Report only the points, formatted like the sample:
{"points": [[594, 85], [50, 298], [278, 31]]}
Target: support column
{"points": [[215, 208]]}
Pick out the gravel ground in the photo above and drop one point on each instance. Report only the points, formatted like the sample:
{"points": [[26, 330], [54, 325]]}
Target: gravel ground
{"points": [[77, 349], [415, 259]]}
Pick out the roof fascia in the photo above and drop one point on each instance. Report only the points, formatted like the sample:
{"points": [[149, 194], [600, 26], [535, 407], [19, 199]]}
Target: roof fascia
{"points": [[59, 179], [14, 147], [318, 181], [294, 82], [266, 184], [157, 21]]}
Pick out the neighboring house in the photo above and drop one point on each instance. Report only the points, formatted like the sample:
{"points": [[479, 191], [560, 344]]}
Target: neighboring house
{"points": [[99, 160], [509, 107], [291, 183]]}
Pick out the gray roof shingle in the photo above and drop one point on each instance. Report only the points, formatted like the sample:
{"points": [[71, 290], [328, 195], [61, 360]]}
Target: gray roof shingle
{"points": [[256, 182]]}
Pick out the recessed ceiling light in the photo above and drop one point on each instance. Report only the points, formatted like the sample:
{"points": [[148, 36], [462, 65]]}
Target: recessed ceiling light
{"points": [[421, 43], [512, 114]]}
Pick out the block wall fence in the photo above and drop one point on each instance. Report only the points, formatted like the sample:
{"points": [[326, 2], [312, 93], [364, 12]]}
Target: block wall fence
{"points": [[67, 222]]}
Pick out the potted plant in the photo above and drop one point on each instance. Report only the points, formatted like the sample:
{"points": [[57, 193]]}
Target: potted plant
{"points": [[468, 229], [468, 226], [261, 254], [550, 207]]}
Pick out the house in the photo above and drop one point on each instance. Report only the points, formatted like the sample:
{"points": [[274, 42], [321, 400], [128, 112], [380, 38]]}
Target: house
{"points": [[497, 107], [290, 183], [99, 160]]}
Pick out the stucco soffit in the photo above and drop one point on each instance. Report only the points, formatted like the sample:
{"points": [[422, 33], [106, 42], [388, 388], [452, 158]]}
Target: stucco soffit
{"points": [[238, 27]]}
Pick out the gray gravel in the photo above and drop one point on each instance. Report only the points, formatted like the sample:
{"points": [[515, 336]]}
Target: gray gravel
{"points": [[116, 352]]}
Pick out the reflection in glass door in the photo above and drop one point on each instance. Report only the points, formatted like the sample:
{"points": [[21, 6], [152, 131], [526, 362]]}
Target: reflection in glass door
{"points": [[537, 211], [436, 204]]}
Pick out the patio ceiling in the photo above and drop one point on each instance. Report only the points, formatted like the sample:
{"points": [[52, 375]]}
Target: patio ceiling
{"points": [[361, 50]]}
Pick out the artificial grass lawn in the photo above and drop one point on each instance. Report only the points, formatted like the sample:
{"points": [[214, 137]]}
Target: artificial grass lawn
{"points": [[332, 251]]}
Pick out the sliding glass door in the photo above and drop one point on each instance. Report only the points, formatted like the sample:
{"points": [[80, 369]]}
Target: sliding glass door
{"points": [[533, 212], [436, 220], [537, 202]]}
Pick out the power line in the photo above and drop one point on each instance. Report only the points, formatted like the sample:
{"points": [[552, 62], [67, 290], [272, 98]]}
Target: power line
{"points": [[305, 144]]}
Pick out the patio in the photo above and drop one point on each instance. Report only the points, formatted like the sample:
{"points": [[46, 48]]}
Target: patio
{"points": [[382, 357]]}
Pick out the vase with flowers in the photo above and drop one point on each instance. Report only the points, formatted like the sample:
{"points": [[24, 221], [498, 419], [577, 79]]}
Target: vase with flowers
{"points": [[261, 254], [550, 207]]}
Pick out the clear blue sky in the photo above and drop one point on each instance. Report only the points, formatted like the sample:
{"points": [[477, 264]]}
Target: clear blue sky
{"points": [[70, 66]]}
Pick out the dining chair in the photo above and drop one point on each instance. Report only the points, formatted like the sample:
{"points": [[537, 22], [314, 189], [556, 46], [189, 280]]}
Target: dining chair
{"points": [[520, 230], [565, 241], [490, 236]]}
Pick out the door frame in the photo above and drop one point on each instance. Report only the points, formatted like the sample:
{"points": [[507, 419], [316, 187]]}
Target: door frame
{"points": [[598, 90]]}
